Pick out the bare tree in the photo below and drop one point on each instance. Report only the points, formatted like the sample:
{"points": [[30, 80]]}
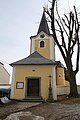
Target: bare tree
{"points": [[68, 28]]}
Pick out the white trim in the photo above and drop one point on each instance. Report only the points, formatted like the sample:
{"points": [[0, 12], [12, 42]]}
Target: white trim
{"points": [[37, 37], [54, 83], [33, 46], [52, 49], [12, 84]]}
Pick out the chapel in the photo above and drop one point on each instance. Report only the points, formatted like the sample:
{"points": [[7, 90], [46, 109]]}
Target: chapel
{"points": [[34, 75]]}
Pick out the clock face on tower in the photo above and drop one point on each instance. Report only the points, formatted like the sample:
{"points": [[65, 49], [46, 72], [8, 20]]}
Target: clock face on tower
{"points": [[42, 35]]}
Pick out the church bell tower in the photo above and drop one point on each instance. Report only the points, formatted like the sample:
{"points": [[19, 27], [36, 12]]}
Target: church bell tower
{"points": [[43, 42]]}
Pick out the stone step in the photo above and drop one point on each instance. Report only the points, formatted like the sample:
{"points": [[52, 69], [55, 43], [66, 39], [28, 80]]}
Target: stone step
{"points": [[33, 99]]}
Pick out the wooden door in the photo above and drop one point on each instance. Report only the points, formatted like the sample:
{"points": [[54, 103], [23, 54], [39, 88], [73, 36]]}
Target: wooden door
{"points": [[33, 87]]}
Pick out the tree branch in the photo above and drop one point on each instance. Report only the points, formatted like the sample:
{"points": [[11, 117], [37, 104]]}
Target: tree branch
{"points": [[65, 23], [50, 1], [54, 31], [70, 32], [62, 36], [60, 20], [77, 39], [66, 18], [77, 60]]}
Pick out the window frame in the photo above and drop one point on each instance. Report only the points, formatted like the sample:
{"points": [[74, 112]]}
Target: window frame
{"points": [[40, 44]]}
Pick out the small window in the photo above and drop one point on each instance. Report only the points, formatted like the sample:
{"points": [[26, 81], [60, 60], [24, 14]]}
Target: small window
{"points": [[59, 76], [42, 44]]}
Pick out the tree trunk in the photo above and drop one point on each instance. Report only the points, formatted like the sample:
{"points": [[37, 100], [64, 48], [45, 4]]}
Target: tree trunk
{"points": [[73, 86]]}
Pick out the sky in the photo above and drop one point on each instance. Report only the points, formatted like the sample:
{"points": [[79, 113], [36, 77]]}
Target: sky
{"points": [[19, 19]]}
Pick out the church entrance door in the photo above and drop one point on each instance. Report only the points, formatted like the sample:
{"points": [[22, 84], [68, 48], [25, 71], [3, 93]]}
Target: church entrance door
{"points": [[33, 87]]}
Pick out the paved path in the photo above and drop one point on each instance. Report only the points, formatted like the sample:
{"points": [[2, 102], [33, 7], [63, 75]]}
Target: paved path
{"points": [[44, 111], [57, 111], [7, 109]]}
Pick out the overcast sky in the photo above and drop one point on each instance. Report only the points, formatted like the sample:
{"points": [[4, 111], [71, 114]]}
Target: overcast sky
{"points": [[19, 19]]}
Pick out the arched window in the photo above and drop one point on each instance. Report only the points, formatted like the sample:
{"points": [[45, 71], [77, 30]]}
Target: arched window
{"points": [[42, 44]]}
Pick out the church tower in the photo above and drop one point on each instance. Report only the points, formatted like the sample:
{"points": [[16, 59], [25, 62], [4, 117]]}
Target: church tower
{"points": [[43, 42]]}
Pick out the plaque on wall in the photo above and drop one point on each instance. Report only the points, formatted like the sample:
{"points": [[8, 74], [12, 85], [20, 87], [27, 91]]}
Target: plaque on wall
{"points": [[20, 85]]}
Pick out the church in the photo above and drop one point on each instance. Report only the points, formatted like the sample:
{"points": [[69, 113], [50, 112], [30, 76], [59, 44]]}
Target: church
{"points": [[33, 75]]}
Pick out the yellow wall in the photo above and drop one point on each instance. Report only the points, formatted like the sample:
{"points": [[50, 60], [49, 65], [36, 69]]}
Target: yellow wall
{"points": [[60, 80], [43, 51], [22, 73], [27, 71]]}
